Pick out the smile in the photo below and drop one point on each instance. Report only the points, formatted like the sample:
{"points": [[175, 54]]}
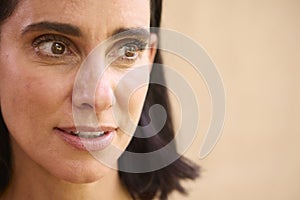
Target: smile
{"points": [[88, 134], [87, 139]]}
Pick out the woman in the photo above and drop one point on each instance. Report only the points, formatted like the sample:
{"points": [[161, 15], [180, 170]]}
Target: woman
{"points": [[42, 46]]}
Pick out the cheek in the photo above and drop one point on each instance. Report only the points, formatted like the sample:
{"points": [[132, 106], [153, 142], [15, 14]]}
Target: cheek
{"points": [[27, 90], [129, 118], [24, 106], [139, 90], [31, 95], [136, 102], [30, 100], [130, 95]]}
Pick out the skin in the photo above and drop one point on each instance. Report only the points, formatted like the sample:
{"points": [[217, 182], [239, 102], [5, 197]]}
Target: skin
{"points": [[36, 97]]}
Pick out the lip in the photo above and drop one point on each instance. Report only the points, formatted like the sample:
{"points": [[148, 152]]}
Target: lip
{"points": [[68, 135], [87, 129]]}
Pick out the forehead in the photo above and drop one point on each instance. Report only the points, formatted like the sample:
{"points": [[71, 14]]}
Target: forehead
{"points": [[94, 17]]}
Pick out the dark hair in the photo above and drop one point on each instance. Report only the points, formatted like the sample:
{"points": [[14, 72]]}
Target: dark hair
{"points": [[144, 186]]}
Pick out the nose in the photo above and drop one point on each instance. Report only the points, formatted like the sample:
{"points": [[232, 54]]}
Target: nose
{"points": [[99, 97], [104, 95]]}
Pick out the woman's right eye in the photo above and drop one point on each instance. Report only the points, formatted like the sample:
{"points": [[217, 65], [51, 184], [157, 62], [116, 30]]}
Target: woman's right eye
{"points": [[55, 47]]}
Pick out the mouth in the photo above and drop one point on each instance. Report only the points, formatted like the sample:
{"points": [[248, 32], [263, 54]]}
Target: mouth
{"points": [[87, 138], [85, 134]]}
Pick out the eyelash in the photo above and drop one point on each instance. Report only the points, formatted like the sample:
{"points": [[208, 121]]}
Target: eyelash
{"points": [[117, 53], [69, 48]]}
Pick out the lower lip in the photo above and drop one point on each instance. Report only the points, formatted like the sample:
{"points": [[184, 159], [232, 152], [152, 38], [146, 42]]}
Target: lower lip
{"points": [[87, 144]]}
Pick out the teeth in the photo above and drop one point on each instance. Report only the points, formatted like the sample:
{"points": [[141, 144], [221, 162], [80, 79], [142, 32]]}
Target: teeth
{"points": [[89, 134]]}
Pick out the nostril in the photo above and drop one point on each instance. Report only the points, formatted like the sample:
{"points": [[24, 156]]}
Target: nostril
{"points": [[83, 100], [87, 106]]}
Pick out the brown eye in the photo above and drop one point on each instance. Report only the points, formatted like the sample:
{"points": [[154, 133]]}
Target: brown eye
{"points": [[130, 52], [54, 49], [125, 53], [54, 46], [58, 48]]}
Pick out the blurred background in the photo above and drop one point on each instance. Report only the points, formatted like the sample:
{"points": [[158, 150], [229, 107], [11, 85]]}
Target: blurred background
{"points": [[255, 45]]}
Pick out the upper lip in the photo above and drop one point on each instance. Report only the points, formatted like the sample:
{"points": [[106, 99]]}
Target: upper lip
{"points": [[73, 129]]}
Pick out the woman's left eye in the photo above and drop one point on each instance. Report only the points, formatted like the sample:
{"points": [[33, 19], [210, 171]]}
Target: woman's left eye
{"points": [[126, 54], [129, 52]]}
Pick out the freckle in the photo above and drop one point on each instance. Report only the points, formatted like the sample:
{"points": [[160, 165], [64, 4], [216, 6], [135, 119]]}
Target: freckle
{"points": [[28, 86]]}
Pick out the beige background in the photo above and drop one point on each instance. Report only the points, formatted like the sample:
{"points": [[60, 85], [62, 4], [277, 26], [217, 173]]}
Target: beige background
{"points": [[256, 47]]}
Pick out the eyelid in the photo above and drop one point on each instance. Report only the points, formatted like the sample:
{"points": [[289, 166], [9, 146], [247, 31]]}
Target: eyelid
{"points": [[114, 57], [140, 44], [71, 57], [125, 41], [54, 37]]}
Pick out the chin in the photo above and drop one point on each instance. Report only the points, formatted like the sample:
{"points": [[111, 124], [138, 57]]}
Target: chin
{"points": [[81, 173]]}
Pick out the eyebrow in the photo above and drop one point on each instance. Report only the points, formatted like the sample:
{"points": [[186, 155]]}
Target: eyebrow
{"points": [[72, 30], [131, 32], [67, 29]]}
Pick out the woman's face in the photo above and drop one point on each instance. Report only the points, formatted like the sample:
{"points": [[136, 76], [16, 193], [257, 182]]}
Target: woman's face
{"points": [[42, 47]]}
